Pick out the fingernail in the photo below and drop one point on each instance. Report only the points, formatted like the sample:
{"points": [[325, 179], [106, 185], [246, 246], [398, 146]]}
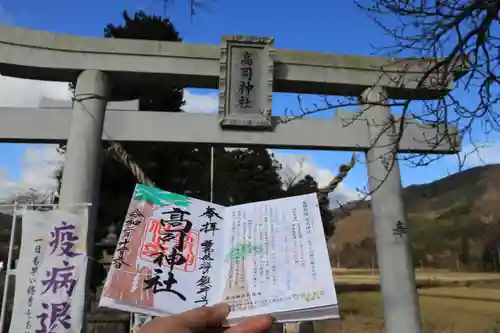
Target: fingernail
{"points": [[221, 309]]}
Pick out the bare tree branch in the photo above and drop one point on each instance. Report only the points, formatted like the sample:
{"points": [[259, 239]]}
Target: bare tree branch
{"points": [[195, 6], [462, 38], [290, 178]]}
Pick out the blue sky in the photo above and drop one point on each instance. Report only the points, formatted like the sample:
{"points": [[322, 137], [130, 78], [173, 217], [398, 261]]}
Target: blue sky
{"points": [[315, 25]]}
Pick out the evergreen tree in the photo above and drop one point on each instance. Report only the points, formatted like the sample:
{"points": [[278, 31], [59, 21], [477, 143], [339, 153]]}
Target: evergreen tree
{"points": [[249, 175], [152, 97]]}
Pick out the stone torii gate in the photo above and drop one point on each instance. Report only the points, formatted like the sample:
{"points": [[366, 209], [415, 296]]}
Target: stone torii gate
{"points": [[104, 67]]}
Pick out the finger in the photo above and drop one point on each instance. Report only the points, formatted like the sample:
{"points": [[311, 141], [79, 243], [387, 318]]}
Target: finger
{"points": [[259, 324], [219, 329], [201, 318]]}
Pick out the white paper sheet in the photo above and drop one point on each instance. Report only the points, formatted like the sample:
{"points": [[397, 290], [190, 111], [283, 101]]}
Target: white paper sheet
{"points": [[264, 258]]}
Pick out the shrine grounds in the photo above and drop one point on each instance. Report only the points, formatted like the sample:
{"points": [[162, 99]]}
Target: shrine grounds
{"points": [[449, 302]]}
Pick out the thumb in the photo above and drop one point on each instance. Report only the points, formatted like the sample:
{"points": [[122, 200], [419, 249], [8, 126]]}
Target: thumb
{"points": [[201, 318]]}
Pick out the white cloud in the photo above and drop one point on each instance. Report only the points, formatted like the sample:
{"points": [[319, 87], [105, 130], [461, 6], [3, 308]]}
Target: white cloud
{"points": [[6, 184], [28, 93], [38, 167], [201, 103], [295, 167], [41, 161]]}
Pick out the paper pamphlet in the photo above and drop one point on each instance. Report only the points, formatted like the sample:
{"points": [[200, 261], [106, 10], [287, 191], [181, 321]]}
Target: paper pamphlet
{"points": [[177, 253]]}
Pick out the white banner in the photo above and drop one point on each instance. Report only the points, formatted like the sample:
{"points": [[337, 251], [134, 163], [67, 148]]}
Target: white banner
{"points": [[139, 320], [50, 276]]}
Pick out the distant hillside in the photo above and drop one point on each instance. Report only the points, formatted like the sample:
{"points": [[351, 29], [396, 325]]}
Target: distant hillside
{"points": [[454, 223]]}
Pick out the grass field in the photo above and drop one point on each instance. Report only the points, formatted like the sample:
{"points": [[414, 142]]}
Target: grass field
{"points": [[462, 303]]}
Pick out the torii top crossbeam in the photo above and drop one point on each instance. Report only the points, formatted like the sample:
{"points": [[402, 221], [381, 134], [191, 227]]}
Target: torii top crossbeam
{"points": [[48, 56]]}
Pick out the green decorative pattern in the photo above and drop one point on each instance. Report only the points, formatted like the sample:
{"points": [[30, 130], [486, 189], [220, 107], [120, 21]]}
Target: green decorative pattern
{"points": [[159, 197], [312, 296], [243, 251]]}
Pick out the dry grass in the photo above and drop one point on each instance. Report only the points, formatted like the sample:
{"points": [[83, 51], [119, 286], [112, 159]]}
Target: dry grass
{"points": [[362, 312], [365, 276], [470, 293], [454, 308]]}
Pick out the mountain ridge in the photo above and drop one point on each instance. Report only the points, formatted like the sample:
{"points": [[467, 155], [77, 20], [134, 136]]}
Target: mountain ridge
{"points": [[463, 209]]}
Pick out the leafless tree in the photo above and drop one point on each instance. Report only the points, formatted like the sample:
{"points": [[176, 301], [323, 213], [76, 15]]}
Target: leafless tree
{"points": [[289, 176], [458, 41], [31, 196], [448, 30], [195, 6]]}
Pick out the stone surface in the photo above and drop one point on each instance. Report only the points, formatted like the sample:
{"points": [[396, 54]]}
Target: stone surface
{"points": [[52, 126], [60, 57], [57, 104], [246, 81], [394, 257]]}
